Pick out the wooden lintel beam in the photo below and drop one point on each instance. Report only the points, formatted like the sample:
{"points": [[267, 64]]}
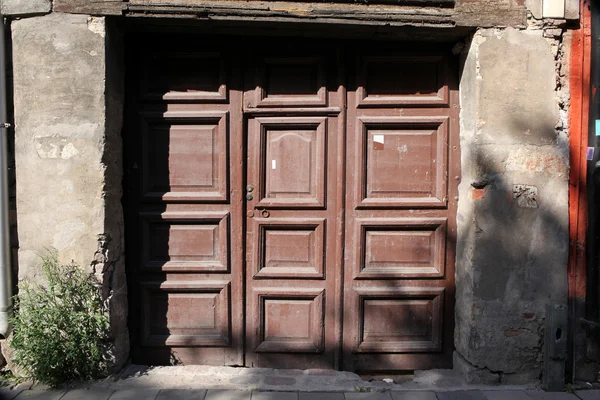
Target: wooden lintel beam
{"points": [[93, 7]]}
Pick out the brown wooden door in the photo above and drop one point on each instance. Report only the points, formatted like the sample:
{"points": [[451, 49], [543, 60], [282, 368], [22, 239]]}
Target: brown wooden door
{"points": [[184, 236], [294, 130], [400, 211], [291, 203]]}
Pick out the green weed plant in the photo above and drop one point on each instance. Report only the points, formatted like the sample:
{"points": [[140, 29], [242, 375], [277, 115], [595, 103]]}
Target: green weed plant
{"points": [[61, 327]]}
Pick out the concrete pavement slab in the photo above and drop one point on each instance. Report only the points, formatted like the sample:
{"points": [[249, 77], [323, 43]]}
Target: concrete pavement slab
{"points": [[182, 394], [461, 395], [413, 395], [540, 395], [506, 395], [320, 396], [228, 395], [40, 395], [368, 396], [135, 394], [588, 394], [88, 394], [274, 396], [9, 394]]}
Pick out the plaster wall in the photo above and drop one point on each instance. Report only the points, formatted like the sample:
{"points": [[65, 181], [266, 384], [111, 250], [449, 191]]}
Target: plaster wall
{"points": [[512, 243], [68, 118]]}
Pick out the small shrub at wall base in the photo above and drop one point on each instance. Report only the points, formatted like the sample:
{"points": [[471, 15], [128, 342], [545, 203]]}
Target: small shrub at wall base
{"points": [[61, 327]]}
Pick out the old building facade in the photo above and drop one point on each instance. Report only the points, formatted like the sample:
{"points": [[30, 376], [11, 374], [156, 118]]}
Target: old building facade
{"points": [[351, 185]]}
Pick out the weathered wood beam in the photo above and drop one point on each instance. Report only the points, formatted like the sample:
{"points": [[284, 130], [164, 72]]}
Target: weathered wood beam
{"points": [[421, 16], [94, 7], [430, 13]]}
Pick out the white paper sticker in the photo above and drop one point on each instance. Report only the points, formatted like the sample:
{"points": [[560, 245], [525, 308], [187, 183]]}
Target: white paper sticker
{"points": [[378, 139], [274, 164]]}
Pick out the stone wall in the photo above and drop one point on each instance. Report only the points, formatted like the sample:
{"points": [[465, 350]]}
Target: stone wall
{"points": [[68, 118], [513, 209]]}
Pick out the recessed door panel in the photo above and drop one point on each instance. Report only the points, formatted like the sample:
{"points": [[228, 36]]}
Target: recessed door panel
{"points": [[400, 248], [185, 156], [400, 81], [289, 248], [404, 162], [186, 313], [289, 161], [400, 320]]}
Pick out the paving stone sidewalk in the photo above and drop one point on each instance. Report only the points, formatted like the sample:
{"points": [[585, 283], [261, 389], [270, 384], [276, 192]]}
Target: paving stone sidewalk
{"points": [[220, 394], [226, 383]]}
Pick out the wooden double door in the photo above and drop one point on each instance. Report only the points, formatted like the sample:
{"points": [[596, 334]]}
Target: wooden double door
{"points": [[291, 203]]}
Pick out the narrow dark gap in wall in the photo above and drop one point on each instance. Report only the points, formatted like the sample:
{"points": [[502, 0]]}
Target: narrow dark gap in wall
{"points": [[12, 181]]}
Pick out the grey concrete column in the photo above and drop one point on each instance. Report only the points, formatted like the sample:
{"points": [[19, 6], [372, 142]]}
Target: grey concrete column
{"points": [[513, 210], [68, 100]]}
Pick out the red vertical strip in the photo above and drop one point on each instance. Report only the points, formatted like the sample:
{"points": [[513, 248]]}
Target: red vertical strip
{"points": [[582, 218], [579, 122]]}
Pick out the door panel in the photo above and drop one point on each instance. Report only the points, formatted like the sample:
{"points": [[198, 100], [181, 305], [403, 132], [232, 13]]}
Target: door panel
{"points": [[400, 224], [289, 248], [389, 248], [184, 236], [289, 160], [412, 148], [184, 156], [292, 276], [389, 81]]}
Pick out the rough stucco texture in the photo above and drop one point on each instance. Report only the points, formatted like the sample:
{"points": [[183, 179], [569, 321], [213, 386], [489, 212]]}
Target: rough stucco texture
{"points": [[24, 7], [67, 159], [513, 208]]}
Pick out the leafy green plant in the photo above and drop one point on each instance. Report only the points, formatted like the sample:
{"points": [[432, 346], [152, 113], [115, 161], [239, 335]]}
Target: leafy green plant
{"points": [[60, 327], [570, 388]]}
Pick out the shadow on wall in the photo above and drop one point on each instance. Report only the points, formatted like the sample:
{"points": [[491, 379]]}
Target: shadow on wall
{"points": [[513, 216]]}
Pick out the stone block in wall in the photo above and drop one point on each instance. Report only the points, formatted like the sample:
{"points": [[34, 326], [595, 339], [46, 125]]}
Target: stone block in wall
{"points": [[553, 8], [25, 7], [535, 7], [68, 116], [572, 9]]}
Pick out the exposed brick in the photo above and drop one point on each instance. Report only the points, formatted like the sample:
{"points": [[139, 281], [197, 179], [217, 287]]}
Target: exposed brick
{"points": [[477, 194]]}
